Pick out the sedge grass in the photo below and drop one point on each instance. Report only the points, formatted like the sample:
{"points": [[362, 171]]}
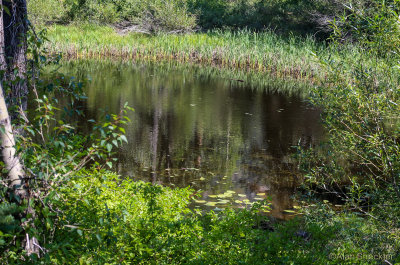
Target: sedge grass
{"points": [[266, 52]]}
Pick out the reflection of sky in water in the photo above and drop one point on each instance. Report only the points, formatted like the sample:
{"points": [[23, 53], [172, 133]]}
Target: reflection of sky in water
{"points": [[214, 134]]}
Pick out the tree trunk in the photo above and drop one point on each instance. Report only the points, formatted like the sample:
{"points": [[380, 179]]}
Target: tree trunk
{"points": [[13, 29], [10, 158], [16, 174]]}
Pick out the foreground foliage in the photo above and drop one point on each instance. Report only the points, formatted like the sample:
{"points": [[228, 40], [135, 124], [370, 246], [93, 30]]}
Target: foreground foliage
{"points": [[105, 219]]}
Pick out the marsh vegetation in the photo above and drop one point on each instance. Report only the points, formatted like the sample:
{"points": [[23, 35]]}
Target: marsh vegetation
{"points": [[262, 132]]}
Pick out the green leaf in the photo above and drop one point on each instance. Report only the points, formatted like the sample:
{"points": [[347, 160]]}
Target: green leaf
{"points": [[109, 147], [6, 10], [123, 138]]}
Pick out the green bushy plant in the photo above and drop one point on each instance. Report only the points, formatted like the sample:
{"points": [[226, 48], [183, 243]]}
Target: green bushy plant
{"points": [[154, 14], [284, 16], [168, 15], [360, 103], [374, 24], [106, 219], [306, 16], [46, 11]]}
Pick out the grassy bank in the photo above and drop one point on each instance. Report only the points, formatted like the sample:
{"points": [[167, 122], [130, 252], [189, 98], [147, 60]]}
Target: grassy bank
{"points": [[266, 52]]}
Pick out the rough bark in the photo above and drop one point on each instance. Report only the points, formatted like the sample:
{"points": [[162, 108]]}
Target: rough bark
{"points": [[3, 63], [13, 29], [16, 173], [9, 156]]}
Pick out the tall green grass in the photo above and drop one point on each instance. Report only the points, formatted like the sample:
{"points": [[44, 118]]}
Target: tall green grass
{"points": [[265, 52]]}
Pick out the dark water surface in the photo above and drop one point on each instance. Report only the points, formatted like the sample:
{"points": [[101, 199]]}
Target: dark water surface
{"points": [[196, 128]]}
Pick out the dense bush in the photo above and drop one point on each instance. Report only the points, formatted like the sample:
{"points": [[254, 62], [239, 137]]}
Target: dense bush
{"points": [[106, 220], [46, 11], [353, 19], [374, 24], [109, 220], [306, 16], [150, 14], [361, 106]]}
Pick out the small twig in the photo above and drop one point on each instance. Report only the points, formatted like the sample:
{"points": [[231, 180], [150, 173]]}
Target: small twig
{"points": [[39, 247]]}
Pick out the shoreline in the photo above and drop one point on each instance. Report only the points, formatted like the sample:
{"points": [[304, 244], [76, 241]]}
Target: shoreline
{"points": [[266, 53]]}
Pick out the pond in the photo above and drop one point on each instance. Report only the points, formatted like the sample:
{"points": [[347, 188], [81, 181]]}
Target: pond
{"points": [[230, 139]]}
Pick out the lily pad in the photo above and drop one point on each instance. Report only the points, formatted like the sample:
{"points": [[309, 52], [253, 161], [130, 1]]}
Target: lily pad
{"points": [[225, 195]]}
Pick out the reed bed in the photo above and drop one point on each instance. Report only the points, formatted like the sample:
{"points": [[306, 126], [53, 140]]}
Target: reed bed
{"points": [[266, 52]]}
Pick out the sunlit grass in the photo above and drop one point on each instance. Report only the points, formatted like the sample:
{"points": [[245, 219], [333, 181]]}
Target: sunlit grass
{"points": [[264, 52]]}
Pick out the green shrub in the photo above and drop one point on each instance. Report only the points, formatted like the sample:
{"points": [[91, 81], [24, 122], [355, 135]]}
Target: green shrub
{"points": [[158, 15], [105, 219], [306, 16], [284, 16], [373, 24], [168, 15], [46, 11], [361, 105]]}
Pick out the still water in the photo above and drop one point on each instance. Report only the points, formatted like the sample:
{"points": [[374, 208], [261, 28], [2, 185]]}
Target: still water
{"points": [[225, 137]]}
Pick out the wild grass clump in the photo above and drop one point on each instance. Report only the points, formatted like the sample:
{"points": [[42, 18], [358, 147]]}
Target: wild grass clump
{"points": [[264, 52]]}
